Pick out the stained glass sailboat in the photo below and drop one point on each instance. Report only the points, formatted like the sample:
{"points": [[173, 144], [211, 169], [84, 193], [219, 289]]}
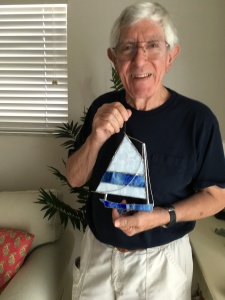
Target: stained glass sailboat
{"points": [[127, 175]]}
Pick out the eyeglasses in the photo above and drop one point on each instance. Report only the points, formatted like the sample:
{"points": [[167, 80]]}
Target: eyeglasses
{"points": [[152, 49]]}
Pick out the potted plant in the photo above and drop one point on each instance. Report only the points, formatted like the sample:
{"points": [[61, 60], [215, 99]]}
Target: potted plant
{"points": [[51, 204]]}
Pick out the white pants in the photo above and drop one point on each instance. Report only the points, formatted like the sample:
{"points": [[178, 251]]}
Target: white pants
{"points": [[159, 273]]}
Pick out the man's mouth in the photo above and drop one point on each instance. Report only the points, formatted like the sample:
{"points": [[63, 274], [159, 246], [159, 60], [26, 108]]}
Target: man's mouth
{"points": [[141, 75]]}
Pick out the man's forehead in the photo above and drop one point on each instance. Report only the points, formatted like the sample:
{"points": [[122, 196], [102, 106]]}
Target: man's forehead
{"points": [[149, 38], [146, 29]]}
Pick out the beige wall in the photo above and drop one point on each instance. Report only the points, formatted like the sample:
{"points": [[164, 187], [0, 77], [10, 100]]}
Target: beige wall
{"points": [[198, 73]]}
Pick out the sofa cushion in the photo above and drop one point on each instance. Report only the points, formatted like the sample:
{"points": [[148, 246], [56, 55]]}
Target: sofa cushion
{"points": [[18, 211], [14, 246]]}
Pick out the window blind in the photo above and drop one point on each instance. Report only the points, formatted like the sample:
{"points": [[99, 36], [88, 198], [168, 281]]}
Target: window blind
{"points": [[33, 67]]}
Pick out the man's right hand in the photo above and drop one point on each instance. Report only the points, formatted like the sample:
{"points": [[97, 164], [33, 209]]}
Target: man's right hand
{"points": [[108, 120]]}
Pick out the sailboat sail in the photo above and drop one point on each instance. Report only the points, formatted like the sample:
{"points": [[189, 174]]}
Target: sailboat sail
{"points": [[126, 176]]}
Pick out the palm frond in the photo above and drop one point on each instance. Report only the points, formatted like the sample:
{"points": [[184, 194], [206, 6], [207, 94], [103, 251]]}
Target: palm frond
{"points": [[117, 84], [68, 131], [82, 192], [59, 175], [52, 205], [82, 118]]}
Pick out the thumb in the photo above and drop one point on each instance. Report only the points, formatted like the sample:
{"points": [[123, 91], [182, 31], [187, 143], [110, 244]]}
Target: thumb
{"points": [[116, 214], [127, 219]]}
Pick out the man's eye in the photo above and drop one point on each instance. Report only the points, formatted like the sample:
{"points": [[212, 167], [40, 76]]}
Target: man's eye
{"points": [[152, 45], [127, 48]]}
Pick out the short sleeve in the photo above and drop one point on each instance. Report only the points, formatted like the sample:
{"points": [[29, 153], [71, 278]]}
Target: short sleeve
{"points": [[210, 157], [84, 132]]}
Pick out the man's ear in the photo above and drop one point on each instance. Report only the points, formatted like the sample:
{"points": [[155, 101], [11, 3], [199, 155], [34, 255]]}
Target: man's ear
{"points": [[111, 56], [173, 53]]}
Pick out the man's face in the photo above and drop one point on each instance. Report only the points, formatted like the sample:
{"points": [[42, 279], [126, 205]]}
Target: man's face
{"points": [[142, 76]]}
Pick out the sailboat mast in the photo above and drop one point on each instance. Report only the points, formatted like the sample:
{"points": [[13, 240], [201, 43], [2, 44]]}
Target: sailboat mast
{"points": [[146, 171]]}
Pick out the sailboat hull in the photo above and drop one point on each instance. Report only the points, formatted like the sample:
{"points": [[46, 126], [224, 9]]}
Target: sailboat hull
{"points": [[126, 206]]}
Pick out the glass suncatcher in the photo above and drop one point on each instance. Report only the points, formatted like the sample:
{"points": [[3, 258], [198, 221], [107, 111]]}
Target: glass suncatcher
{"points": [[127, 175]]}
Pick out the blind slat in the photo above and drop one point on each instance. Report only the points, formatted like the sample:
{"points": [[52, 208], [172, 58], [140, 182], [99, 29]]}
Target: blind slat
{"points": [[33, 67]]}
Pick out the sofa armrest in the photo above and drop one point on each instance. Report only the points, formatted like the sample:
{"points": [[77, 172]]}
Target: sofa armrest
{"points": [[18, 211], [44, 274]]}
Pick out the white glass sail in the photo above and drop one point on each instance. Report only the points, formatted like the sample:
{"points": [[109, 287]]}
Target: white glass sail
{"points": [[125, 175], [127, 159]]}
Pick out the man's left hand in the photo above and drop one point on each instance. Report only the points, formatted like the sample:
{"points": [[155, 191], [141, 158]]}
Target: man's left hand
{"points": [[132, 223]]}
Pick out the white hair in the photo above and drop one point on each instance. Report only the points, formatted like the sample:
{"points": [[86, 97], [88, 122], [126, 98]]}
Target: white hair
{"points": [[144, 10]]}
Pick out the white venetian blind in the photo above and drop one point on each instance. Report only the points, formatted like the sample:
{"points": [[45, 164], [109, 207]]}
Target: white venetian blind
{"points": [[33, 67]]}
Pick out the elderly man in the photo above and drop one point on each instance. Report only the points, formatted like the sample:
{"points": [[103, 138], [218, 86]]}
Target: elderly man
{"points": [[146, 255]]}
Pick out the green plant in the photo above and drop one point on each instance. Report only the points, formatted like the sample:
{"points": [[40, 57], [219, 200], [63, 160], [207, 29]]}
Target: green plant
{"points": [[117, 84], [51, 204]]}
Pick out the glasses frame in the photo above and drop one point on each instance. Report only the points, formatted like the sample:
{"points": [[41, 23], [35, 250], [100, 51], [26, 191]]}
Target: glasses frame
{"points": [[136, 50]]}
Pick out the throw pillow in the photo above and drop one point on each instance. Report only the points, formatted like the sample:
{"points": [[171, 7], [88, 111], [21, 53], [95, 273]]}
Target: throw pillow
{"points": [[14, 246]]}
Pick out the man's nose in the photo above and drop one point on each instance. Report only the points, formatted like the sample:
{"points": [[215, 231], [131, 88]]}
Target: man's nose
{"points": [[141, 52]]}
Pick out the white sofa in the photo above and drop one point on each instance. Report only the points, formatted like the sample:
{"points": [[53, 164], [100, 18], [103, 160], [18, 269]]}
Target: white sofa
{"points": [[46, 272]]}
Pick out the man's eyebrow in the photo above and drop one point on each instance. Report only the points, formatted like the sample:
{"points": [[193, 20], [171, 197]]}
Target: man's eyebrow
{"points": [[155, 38], [128, 40], [149, 39]]}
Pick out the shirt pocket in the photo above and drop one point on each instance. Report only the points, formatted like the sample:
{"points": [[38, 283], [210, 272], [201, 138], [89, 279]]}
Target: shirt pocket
{"points": [[168, 174]]}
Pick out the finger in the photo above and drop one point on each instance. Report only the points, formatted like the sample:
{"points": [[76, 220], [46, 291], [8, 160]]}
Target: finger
{"points": [[109, 118], [116, 212], [103, 129], [104, 123], [124, 113], [115, 120], [117, 110], [117, 114]]}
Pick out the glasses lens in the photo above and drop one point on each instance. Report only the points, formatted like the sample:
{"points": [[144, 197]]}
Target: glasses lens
{"points": [[155, 49], [152, 49], [126, 51]]}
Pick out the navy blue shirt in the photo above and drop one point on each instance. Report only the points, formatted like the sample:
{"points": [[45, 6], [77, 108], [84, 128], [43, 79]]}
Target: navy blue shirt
{"points": [[185, 154]]}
